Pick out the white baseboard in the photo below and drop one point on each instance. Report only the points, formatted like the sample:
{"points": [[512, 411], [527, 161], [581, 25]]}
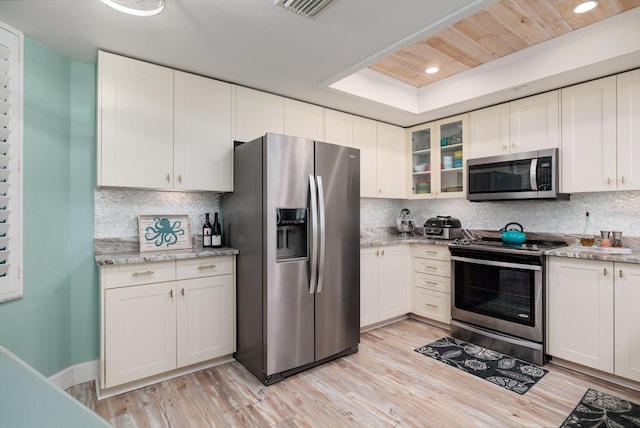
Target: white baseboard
{"points": [[74, 375]]}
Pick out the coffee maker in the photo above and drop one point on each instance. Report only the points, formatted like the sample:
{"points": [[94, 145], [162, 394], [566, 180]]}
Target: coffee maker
{"points": [[405, 222]]}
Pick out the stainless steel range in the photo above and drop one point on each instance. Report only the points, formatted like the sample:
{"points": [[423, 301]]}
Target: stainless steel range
{"points": [[498, 295]]}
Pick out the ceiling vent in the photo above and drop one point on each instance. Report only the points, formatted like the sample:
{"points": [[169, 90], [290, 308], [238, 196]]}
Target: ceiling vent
{"points": [[306, 8]]}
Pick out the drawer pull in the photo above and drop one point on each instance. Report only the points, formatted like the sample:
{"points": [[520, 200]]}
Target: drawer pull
{"points": [[182, 291], [203, 267], [431, 267], [171, 293], [137, 274], [430, 252], [431, 305], [431, 283]]}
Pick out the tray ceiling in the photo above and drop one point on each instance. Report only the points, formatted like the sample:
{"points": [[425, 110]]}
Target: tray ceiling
{"points": [[502, 29]]}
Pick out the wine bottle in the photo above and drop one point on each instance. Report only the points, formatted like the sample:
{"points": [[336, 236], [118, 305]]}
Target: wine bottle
{"points": [[207, 231], [216, 234]]}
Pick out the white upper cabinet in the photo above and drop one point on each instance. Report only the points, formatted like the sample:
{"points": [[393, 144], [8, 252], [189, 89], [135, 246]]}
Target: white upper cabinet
{"points": [[488, 132], [203, 145], [257, 113], [135, 123], [162, 129], [628, 127], [390, 161], [435, 158], [531, 123], [303, 120], [588, 147], [338, 128], [535, 122], [365, 139]]}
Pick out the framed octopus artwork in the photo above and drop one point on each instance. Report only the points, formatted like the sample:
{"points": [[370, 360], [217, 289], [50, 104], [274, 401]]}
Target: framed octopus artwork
{"points": [[160, 232]]}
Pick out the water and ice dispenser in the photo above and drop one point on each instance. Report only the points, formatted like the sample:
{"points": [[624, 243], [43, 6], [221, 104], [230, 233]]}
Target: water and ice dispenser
{"points": [[291, 239]]}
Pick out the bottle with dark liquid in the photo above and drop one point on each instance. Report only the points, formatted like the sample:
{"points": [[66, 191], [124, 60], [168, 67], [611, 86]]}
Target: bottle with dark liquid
{"points": [[216, 234], [207, 232]]}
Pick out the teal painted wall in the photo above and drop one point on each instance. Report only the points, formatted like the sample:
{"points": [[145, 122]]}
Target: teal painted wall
{"points": [[55, 324], [84, 303]]}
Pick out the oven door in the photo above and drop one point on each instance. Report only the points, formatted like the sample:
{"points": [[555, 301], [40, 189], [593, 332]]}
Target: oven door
{"points": [[498, 295]]}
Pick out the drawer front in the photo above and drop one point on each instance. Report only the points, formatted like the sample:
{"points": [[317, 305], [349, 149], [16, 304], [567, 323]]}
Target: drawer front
{"points": [[206, 266], [438, 252], [432, 267], [432, 304], [432, 282], [137, 274]]}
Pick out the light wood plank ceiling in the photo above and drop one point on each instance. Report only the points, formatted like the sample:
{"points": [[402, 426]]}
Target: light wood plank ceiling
{"points": [[502, 29]]}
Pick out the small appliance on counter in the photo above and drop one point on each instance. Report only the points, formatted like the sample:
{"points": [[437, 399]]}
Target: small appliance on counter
{"points": [[443, 227], [405, 222]]}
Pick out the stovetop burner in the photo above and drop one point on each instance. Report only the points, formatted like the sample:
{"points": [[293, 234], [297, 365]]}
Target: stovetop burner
{"points": [[535, 246]]}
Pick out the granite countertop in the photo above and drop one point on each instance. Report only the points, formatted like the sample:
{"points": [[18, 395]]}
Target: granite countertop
{"points": [[632, 255], [389, 236], [126, 250]]}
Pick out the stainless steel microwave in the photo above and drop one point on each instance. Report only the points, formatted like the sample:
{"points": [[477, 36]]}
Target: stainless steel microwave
{"points": [[527, 175]]}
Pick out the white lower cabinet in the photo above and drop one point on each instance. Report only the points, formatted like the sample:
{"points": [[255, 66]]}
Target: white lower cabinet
{"points": [[592, 316], [432, 282], [384, 283], [184, 314], [205, 319], [140, 332]]}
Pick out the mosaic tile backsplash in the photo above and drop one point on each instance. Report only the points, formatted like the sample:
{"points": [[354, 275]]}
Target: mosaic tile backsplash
{"points": [[607, 211], [117, 211]]}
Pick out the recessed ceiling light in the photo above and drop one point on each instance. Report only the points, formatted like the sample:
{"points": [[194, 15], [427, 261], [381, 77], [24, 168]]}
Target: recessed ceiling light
{"points": [[432, 70], [585, 7], [136, 7]]}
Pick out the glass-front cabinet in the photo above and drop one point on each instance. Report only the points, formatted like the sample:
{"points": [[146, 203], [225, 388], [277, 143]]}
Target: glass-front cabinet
{"points": [[436, 157]]}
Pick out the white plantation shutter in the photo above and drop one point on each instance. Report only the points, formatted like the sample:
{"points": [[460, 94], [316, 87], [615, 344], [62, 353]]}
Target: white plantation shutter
{"points": [[10, 158]]}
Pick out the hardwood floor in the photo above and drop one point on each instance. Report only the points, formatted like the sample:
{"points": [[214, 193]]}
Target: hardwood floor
{"points": [[385, 384]]}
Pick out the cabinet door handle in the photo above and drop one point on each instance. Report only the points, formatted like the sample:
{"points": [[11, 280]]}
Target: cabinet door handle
{"points": [[137, 274], [504, 147], [382, 252], [377, 253], [606, 272], [608, 180], [622, 179], [168, 178], [380, 191], [203, 267], [620, 273], [180, 178], [171, 293], [182, 292]]}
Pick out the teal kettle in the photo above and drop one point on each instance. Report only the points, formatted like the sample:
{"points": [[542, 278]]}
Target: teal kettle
{"points": [[513, 236]]}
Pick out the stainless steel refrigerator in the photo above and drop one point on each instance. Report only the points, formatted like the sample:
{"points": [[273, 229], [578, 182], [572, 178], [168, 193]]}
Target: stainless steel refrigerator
{"points": [[294, 216]]}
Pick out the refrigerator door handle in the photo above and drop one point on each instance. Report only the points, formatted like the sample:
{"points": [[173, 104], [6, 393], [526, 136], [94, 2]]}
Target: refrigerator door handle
{"points": [[322, 233], [314, 234]]}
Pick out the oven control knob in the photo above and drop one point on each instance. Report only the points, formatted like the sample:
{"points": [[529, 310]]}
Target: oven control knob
{"points": [[534, 247]]}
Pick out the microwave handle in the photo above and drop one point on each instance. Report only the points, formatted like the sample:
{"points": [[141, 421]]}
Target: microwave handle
{"points": [[533, 174]]}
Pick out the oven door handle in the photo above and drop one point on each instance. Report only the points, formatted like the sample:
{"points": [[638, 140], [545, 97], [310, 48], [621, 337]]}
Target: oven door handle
{"points": [[495, 263]]}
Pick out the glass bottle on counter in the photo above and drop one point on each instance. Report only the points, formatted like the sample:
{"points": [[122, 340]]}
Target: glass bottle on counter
{"points": [[207, 230], [216, 234]]}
